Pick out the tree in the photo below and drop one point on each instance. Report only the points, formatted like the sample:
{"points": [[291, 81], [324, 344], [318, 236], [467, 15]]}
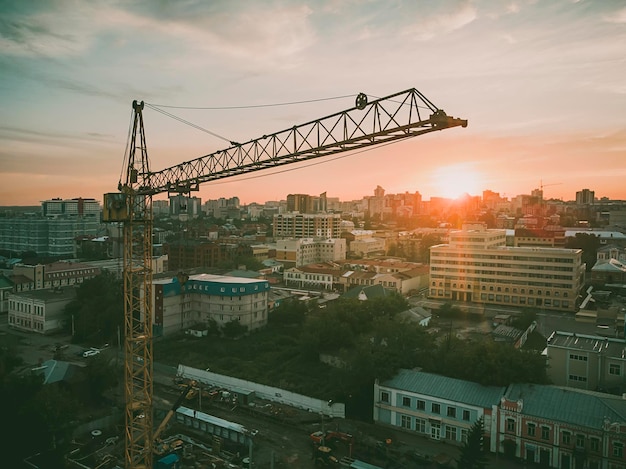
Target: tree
{"points": [[589, 243], [428, 241], [98, 309], [473, 451]]}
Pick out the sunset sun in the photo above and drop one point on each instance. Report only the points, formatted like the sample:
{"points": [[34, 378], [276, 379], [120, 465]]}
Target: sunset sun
{"points": [[455, 180]]}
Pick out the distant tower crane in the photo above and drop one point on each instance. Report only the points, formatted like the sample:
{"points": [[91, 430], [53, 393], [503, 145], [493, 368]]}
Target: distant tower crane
{"points": [[398, 116]]}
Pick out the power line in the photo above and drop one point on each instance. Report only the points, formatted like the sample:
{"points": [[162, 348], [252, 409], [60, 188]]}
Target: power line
{"points": [[252, 106]]}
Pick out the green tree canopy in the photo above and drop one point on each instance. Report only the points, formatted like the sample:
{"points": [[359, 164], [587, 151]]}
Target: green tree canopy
{"points": [[473, 452], [98, 310]]}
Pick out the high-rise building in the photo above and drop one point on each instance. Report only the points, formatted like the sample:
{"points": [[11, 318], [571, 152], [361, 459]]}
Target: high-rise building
{"points": [[302, 203], [53, 232], [477, 266], [585, 197]]}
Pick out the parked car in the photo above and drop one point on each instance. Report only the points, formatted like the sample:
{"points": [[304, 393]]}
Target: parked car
{"points": [[90, 353]]}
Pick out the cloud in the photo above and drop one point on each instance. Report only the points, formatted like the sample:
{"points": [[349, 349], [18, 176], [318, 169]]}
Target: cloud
{"points": [[618, 16], [60, 30], [434, 25]]}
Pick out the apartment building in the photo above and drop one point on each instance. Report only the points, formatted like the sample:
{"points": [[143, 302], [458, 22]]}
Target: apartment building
{"points": [[299, 252], [47, 236], [40, 311], [544, 425], [307, 225], [587, 362], [477, 266], [435, 406], [77, 207], [181, 305], [192, 253]]}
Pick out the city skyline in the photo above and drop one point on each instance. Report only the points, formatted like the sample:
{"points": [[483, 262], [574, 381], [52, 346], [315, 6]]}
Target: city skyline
{"points": [[539, 82]]}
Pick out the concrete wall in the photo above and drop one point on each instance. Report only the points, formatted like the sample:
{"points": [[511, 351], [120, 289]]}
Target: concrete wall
{"points": [[337, 409]]}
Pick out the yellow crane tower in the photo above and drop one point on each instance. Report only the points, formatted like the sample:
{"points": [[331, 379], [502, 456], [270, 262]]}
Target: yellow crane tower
{"points": [[399, 116]]}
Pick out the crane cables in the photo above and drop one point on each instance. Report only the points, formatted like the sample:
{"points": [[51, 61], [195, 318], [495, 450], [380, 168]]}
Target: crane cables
{"points": [[161, 108]]}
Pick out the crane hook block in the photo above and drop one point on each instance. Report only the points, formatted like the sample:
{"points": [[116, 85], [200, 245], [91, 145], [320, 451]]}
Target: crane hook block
{"points": [[361, 101]]}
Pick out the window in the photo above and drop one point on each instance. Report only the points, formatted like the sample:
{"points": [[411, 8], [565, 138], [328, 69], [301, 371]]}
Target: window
{"points": [[618, 449], [466, 415], [384, 396], [577, 378], [575, 356], [406, 401], [567, 438], [580, 441], [510, 425], [452, 412], [615, 369], [545, 433], [594, 444], [450, 432], [435, 408], [405, 422], [420, 425], [531, 429], [464, 434], [421, 405]]}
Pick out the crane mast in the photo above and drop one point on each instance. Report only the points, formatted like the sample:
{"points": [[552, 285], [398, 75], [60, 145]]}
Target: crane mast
{"points": [[398, 116]]}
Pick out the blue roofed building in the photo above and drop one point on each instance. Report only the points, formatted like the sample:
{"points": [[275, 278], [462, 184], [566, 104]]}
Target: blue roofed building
{"points": [[180, 304], [436, 406], [555, 426]]}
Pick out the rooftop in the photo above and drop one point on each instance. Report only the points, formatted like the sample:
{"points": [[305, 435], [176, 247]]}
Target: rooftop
{"points": [[442, 387], [573, 406], [590, 343]]}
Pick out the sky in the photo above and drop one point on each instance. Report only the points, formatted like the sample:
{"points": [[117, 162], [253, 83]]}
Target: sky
{"points": [[541, 83]]}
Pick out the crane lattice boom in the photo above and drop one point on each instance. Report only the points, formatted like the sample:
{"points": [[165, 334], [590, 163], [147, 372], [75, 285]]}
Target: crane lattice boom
{"points": [[401, 115], [395, 117]]}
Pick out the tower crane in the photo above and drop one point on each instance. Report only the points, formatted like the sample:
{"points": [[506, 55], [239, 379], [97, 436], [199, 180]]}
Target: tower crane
{"points": [[398, 116]]}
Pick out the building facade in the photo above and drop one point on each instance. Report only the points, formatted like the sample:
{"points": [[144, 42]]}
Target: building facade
{"points": [[544, 425], [587, 362], [54, 275], [78, 207], [47, 236], [299, 252], [477, 266], [307, 225], [551, 426], [202, 298], [435, 406], [39, 311]]}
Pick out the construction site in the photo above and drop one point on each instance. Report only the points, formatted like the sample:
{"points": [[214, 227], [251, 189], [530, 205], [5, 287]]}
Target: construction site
{"points": [[385, 120], [262, 434]]}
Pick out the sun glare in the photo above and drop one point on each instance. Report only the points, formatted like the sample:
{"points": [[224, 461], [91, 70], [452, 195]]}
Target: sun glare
{"points": [[456, 180]]}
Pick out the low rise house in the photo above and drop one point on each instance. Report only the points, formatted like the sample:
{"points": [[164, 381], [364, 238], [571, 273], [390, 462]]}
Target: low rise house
{"points": [[40, 311], [554, 426], [438, 407], [544, 425]]}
